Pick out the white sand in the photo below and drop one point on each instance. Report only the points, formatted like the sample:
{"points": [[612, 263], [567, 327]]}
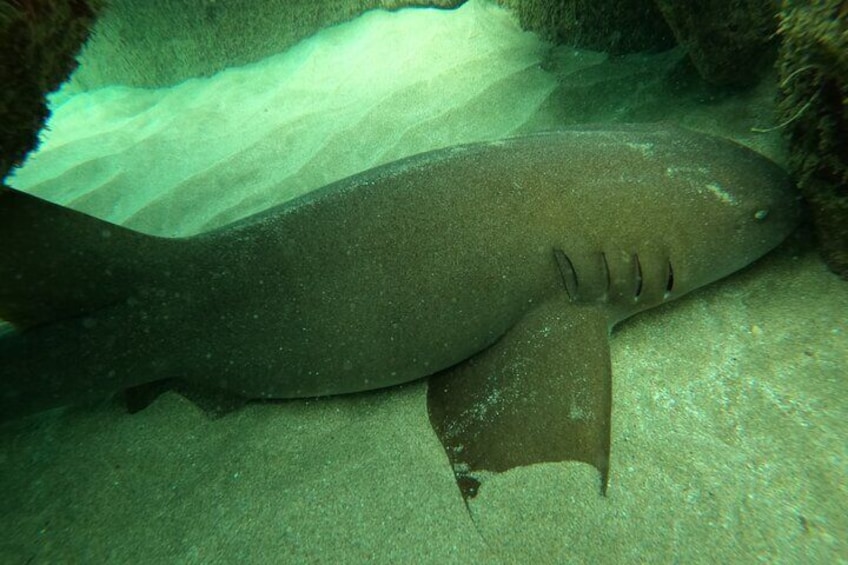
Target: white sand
{"points": [[184, 159], [730, 406]]}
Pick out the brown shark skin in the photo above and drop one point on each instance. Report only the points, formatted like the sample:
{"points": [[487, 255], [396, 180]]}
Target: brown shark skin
{"points": [[390, 275], [542, 393]]}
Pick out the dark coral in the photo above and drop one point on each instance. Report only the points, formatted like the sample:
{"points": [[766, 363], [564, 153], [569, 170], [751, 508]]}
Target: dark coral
{"points": [[614, 26], [730, 42], [39, 41], [813, 68]]}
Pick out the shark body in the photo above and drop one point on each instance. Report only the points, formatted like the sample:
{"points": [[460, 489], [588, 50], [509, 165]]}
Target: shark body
{"points": [[496, 268]]}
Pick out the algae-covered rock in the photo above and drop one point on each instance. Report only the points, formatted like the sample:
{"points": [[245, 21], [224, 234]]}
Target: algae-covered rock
{"points": [[613, 26], [730, 42], [813, 103], [39, 41]]}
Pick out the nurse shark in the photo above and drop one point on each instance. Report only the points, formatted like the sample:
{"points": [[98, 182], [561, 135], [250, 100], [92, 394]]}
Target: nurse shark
{"points": [[496, 269]]}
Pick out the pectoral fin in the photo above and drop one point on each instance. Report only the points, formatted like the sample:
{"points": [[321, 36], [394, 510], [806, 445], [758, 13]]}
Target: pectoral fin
{"points": [[542, 393]]}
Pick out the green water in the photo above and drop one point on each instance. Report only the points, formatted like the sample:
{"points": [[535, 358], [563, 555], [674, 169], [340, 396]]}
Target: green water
{"points": [[729, 409]]}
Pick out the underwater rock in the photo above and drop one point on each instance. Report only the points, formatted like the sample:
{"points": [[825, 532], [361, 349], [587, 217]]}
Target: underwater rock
{"points": [[730, 42], [615, 27], [717, 34], [136, 46], [813, 68], [39, 40]]}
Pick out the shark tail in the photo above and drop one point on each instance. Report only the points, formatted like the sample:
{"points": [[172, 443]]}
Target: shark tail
{"points": [[57, 263], [58, 268]]}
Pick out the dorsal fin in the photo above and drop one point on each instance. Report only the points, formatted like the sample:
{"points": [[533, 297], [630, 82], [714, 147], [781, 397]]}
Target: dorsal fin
{"points": [[57, 263]]}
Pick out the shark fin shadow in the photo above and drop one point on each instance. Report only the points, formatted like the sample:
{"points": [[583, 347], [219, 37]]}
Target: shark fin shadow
{"points": [[214, 402]]}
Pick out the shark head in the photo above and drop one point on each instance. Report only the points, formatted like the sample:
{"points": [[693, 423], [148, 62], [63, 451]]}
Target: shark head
{"points": [[654, 214], [690, 210], [730, 212]]}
